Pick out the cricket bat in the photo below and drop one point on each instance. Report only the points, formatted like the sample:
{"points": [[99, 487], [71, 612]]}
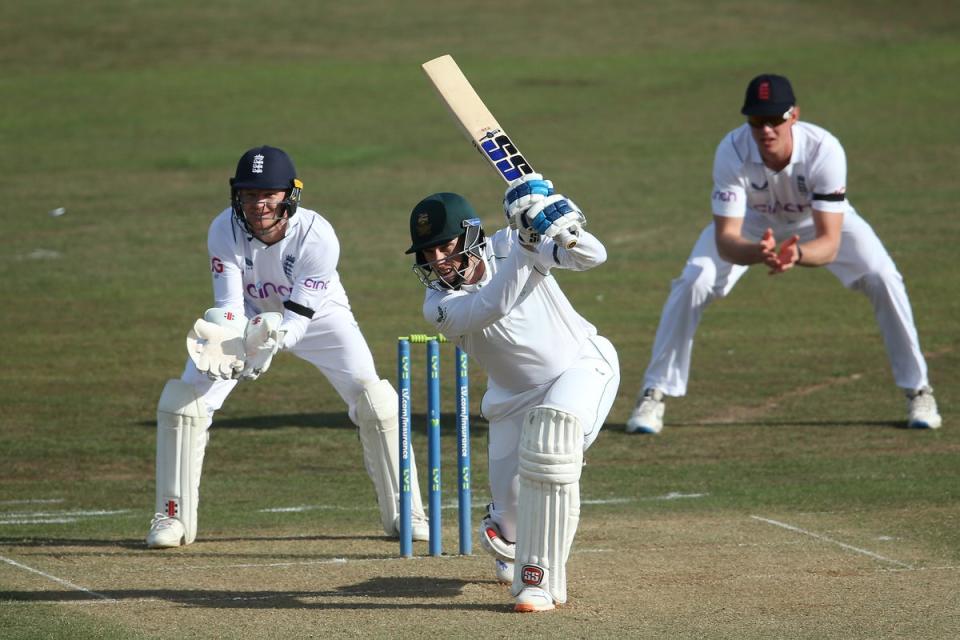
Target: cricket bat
{"points": [[483, 130]]}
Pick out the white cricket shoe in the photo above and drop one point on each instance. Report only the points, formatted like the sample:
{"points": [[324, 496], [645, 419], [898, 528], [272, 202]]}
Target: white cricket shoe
{"points": [[504, 571], [647, 416], [165, 532], [922, 410], [420, 528], [532, 600]]}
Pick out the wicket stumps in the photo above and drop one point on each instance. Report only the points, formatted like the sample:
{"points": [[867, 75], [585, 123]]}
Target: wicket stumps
{"points": [[433, 443]]}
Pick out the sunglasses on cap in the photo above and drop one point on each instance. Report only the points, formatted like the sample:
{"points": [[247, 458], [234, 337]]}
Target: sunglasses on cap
{"points": [[759, 122]]}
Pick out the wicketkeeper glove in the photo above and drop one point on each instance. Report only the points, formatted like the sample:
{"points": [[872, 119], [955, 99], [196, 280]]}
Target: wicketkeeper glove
{"points": [[261, 339]]}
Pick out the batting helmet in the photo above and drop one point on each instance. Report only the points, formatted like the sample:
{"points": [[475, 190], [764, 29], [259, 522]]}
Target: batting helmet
{"points": [[438, 219]]}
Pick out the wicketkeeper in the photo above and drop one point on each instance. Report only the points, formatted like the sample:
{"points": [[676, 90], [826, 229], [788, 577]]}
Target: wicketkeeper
{"points": [[551, 378], [275, 287]]}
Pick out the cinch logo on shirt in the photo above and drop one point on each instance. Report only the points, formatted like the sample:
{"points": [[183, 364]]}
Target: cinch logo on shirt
{"points": [[778, 206], [725, 196], [264, 290], [310, 283]]}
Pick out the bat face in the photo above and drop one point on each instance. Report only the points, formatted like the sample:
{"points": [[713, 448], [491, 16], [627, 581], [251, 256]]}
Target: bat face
{"points": [[481, 128], [503, 155]]}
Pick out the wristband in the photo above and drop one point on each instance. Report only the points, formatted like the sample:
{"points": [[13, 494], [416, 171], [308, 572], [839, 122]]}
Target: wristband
{"points": [[799, 254]]}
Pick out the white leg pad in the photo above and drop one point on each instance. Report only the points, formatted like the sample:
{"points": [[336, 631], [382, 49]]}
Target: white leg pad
{"points": [[182, 432], [551, 460], [377, 415]]}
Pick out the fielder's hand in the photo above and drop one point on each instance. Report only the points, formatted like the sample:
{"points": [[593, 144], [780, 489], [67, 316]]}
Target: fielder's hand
{"points": [[262, 339], [787, 256], [215, 344], [768, 249], [522, 193]]}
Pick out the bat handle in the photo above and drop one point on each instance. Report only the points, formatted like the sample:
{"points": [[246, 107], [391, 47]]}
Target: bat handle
{"points": [[567, 238]]}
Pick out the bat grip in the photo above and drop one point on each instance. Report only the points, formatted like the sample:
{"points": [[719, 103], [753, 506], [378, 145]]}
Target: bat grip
{"points": [[567, 238]]}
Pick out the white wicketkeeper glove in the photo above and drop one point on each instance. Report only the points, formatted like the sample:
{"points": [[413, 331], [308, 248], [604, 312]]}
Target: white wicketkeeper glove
{"points": [[493, 542], [556, 217], [522, 193], [262, 339], [215, 344]]}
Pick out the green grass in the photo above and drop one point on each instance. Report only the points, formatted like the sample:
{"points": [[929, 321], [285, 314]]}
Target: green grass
{"points": [[132, 115]]}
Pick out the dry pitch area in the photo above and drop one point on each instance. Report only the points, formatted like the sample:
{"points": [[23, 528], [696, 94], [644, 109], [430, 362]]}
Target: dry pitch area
{"points": [[762, 575]]}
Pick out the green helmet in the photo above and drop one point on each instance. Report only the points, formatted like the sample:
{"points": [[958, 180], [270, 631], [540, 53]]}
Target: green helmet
{"points": [[438, 219]]}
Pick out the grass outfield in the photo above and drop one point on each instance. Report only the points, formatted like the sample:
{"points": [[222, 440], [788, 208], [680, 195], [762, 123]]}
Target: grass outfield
{"points": [[783, 498]]}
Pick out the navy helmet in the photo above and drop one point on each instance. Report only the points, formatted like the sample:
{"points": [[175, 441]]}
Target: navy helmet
{"points": [[265, 168]]}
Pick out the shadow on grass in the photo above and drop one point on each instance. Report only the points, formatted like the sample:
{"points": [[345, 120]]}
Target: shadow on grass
{"points": [[319, 421], [387, 587], [885, 424], [138, 543]]}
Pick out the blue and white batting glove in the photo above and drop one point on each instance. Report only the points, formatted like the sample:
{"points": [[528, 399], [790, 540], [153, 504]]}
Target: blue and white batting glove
{"points": [[522, 193], [554, 215]]}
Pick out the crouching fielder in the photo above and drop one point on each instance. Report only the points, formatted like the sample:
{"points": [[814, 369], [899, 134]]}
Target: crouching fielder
{"points": [[551, 378], [275, 263]]}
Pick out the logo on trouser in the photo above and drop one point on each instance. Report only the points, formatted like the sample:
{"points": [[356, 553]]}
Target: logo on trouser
{"points": [[531, 574], [172, 508]]}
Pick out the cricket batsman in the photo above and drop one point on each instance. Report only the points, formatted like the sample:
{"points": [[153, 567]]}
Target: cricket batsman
{"points": [[551, 379], [275, 287]]}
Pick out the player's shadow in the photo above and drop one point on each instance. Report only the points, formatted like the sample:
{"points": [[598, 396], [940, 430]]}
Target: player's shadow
{"points": [[404, 592], [338, 420], [885, 424], [196, 550]]}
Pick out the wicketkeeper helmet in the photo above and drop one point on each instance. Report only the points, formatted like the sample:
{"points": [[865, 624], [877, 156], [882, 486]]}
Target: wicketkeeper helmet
{"points": [[265, 168]]}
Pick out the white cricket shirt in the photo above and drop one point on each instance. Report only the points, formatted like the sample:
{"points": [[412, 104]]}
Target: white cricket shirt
{"points": [[516, 322], [816, 177], [250, 277]]}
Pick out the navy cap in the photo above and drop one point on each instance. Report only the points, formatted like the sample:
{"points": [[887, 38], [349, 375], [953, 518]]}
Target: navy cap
{"points": [[768, 95]]}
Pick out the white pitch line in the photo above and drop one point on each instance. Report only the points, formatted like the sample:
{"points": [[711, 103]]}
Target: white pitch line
{"points": [[41, 521], [53, 517], [673, 495], [48, 501], [65, 583], [865, 552]]}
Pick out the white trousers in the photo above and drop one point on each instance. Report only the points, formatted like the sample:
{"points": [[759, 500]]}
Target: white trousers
{"points": [[587, 390], [862, 264], [332, 343]]}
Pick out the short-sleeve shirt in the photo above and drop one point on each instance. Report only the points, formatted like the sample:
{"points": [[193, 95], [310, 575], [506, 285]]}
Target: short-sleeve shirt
{"points": [[815, 178]]}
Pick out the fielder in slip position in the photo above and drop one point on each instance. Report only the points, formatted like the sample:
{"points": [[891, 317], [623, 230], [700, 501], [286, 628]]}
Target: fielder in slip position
{"points": [[275, 263], [551, 380], [779, 180]]}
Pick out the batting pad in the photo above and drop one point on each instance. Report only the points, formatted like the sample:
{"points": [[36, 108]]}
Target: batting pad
{"points": [[379, 428], [182, 424], [551, 460]]}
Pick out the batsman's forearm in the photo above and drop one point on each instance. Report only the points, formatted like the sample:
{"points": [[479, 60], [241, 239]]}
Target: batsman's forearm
{"points": [[588, 253]]}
